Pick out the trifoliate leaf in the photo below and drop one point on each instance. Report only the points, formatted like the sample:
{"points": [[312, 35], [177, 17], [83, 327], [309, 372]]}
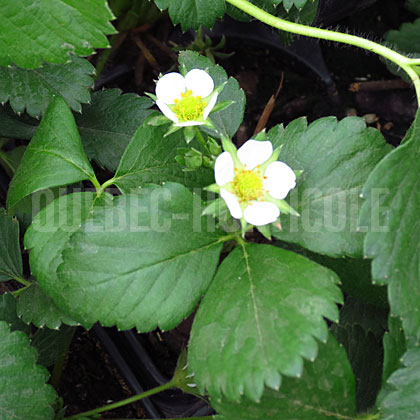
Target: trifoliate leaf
{"points": [[150, 158], [400, 399], [406, 38], [108, 124], [193, 13], [135, 261], [34, 89], [362, 339], [15, 127], [395, 346], [54, 156], [391, 215], [24, 394], [9, 315], [325, 391], [33, 306], [10, 255], [47, 30], [354, 273], [50, 231], [228, 120], [336, 159], [50, 344], [264, 309], [413, 6]]}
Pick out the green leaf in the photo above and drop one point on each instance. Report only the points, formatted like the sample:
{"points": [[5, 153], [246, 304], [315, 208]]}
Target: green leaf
{"points": [[13, 126], [406, 38], [193, 13], [400, 399], [371, 318], [34, 89], [9, 315], [361, 336], [264, 309], [50, 344], [10, 159], [108, 124], [48, 30], [24, 394], [391, 215], [150, 158], [413, 6], [394, 347], [336, 159], [54, 156], [50, 231], [325, 391], [228, 120], [354, 273], [141, 260], [33, 306], [10, 256]]}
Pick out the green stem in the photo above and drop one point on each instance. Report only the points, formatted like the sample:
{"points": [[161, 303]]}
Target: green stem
{"points": [[16, 293], [22, 281], [200, 138], [108, 183], [405, 63], [130, 400], [97, 185]]}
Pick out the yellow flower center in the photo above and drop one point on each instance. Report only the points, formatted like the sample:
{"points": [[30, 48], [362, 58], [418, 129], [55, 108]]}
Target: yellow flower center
{"points": [[189, 108], [247, 185]]}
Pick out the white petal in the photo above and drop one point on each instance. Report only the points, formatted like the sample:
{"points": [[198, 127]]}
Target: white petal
{"points": [[280, 179], [210, 106], [224, 171], [169, 87], [166, 111], [260, 213], [232, 202], [200, 82], [188, 123], [254, 153]]}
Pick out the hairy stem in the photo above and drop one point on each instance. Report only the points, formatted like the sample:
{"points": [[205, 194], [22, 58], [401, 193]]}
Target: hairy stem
{"points": [[405, 63]]}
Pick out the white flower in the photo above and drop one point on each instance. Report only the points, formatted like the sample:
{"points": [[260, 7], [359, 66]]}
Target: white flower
{"points": [[186, 100], [253, 183]]}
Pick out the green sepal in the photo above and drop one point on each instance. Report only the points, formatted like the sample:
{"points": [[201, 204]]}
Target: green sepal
{"points": [[193, 159], [265, 230], [261, 136], [221, 106], [229, 147], [217, 208], [209, 123], [298, 173], [189, 134], [213, 147], [274, 156], [158, 120], [284, 207], [244, 227], [213, 188], [172, 129], [151, 96], [219, 88]]}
